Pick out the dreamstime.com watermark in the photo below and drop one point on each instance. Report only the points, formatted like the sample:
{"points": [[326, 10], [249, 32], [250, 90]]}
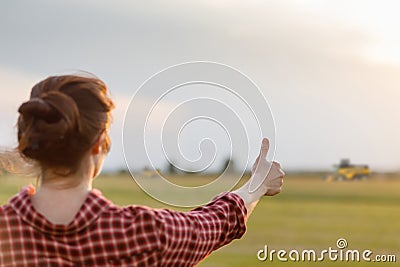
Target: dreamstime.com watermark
{"points": [[339, 253]]}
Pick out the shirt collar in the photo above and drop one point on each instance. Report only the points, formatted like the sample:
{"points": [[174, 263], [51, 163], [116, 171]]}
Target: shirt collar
{"points": [[90, 210]]}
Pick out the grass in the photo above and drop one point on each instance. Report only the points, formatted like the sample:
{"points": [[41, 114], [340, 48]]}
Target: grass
{"points": [[308, 214]]}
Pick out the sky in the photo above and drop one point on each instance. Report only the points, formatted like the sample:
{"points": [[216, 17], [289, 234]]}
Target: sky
{"points": [[329, 70]]}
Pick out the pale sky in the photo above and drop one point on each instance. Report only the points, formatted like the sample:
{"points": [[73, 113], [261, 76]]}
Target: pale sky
{"points": [[330, 70]]}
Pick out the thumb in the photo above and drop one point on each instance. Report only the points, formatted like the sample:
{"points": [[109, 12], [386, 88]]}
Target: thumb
{"points": [[264, 148]]}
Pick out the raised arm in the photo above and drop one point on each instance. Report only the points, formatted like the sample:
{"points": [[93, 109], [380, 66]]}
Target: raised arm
{"points": [[188, 237]]}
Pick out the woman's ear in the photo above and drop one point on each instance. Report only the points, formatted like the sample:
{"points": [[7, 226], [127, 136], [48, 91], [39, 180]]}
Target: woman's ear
{"points": [[96, 148]]}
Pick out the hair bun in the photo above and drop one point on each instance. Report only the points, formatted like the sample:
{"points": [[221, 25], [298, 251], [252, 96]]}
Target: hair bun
{"points": [[48, 124], [39, 109]]}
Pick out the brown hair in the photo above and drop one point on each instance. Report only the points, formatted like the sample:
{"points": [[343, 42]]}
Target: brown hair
{"points": [[63, 119]]}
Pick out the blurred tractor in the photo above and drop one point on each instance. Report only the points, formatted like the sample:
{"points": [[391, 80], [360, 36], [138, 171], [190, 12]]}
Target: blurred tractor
{"points": [[349, 172]]}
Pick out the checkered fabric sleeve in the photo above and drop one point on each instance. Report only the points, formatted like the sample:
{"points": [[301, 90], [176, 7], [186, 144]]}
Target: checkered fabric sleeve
{"points": [[187, 238]]}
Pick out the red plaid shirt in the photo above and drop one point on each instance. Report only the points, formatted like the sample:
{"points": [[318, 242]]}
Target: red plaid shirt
{"points": [[103, 234]]}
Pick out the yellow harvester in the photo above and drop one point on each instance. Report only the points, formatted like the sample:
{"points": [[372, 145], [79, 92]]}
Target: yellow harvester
{"points": [[349, 172]]}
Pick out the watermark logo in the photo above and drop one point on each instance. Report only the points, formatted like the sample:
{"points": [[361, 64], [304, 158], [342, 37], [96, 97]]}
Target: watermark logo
{"points": [[195, 116], [341, 243], [340, 253]]}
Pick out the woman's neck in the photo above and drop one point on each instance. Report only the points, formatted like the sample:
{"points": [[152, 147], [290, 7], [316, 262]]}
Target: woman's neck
{"points": [[59, 198]]}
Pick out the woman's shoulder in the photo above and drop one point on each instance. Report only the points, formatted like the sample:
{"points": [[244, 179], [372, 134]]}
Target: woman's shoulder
{"points": [[131, 212], [16, 200], [7, 211]]}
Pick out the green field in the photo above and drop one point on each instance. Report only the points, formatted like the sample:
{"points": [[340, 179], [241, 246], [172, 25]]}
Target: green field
{"points": [[308, 214]]}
